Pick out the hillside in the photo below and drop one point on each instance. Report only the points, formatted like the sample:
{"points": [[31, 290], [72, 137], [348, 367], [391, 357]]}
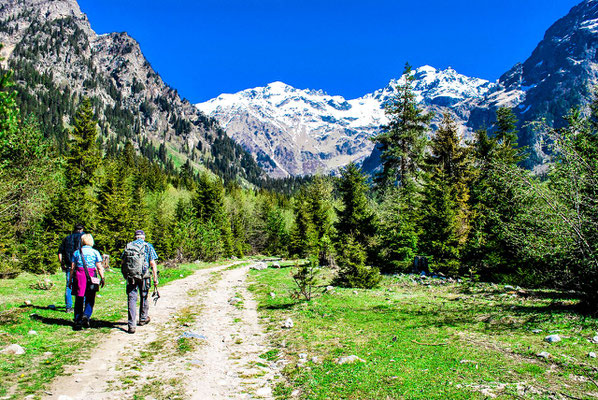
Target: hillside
{"points": [[58, 59]]}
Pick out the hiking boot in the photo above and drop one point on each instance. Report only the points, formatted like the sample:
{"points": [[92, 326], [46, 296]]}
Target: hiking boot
{"points": [[77, 326], [85, 321], [131, 330], [144, 321]]}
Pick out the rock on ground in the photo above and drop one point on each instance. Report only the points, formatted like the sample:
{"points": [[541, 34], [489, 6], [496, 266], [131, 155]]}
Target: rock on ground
{"points": [[259, 266], [352, 359], [13, 349], [288, 324], [552, 339]]}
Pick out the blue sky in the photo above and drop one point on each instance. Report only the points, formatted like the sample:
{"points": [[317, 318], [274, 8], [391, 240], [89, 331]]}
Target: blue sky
{"points": [[207, 47]]}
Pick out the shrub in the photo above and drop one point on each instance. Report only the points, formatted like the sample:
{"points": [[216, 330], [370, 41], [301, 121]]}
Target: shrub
{"points": [[352, 269]]}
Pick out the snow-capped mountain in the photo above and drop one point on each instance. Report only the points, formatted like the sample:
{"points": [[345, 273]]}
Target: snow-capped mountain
{"points": [[297, 132], [560, 74]]}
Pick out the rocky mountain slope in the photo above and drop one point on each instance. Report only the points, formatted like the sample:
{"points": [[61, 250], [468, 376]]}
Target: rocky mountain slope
{"points": [[299, 132], [58, 58], [296, 132]]}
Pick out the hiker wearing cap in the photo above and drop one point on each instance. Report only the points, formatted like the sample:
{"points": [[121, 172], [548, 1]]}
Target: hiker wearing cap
{"points": [[86, 264], [65, 255], [137, 258]]}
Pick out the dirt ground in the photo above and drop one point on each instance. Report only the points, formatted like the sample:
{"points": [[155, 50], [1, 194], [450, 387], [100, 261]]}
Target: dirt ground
{"points": [[198, 345]]}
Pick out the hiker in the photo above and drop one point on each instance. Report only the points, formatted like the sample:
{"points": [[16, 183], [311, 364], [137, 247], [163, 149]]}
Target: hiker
{"points": [[137, 258], [65, 256], [87, 264]]}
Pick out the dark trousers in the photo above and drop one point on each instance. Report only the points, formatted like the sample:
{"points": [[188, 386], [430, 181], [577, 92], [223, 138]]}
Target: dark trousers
{"points": [[84, 305], [142, 286]]}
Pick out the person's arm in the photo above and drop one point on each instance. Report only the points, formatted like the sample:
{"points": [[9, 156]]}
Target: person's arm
{"points": [[72, 274], [154, 271], [100, 268]]}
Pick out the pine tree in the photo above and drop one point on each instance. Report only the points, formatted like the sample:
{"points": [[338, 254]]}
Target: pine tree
{"points": [[83, 155], [355, 218], [403, 140], [304, 238], [208, 204], [489, 252], [115, 212], [318, 200], [445, 205]]}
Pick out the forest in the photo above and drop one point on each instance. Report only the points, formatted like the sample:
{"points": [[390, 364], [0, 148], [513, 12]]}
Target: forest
{"points": [[467, 205]]}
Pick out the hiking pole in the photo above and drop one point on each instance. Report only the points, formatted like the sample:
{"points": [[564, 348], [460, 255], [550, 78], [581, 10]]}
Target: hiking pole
{"points": [[155, 295]]}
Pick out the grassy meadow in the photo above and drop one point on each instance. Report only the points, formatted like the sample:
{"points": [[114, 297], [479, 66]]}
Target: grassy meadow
{"points": [[427, 339]]}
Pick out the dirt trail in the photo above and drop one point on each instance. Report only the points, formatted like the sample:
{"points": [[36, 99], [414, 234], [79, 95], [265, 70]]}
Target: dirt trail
{"points": [[220, 360]]}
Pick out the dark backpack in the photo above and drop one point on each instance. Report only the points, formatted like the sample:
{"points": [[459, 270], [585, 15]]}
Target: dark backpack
{"points": [[133, 262], [71, 243]]}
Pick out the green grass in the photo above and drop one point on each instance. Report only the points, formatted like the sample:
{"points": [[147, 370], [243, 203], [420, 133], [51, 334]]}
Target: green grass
{"points": [[427, 342], [56, 344]]}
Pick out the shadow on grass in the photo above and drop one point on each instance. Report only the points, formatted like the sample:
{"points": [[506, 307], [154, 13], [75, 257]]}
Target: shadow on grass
{"points": [[283, 306], [94, 323]]}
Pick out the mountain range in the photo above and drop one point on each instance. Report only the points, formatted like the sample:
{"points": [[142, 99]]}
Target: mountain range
{"points": [[292, 131], [58, 58], [285, 131]]}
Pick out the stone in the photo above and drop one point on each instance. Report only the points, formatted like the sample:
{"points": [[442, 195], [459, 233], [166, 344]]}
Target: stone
{"points": [[536, 331], [260, 266], [509, 287], [591, 354], [295, 393], [234, 300], [272, 294], [352, 359], [543, 354], [552, 339], [48, 354], [595, 339], [302, 356], [288, 324], [264, 392], [191, 335], [51, 307], [328, 289], [315, 360], [13, 349], [32, 333], [28, 303], [275, 264], [355, 292]]}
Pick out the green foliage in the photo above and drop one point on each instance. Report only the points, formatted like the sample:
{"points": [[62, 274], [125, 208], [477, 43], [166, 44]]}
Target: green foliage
{"points": [[402, 142], [355, 218], [445, 208], [305, 277], [352, 269], [397, 240]]}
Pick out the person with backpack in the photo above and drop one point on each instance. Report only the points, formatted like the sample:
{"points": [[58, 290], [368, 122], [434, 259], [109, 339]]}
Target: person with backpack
{"points": [[65, 255], [86, 268], [137, 258]]}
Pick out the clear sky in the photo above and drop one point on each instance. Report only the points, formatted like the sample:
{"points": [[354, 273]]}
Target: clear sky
{"points": [[350, 47]]}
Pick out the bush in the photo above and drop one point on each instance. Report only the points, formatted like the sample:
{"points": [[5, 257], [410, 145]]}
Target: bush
{"points": [[352, 269], [305, 279]]}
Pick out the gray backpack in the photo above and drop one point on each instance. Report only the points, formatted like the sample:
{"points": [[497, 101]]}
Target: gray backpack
{"points": [[133, 262]]}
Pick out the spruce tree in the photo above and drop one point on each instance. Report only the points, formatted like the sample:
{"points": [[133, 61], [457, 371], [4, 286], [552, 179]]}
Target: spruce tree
{"points": [[355, 217], [115, 211], [83, 153], [403, 140], [489, 252], [445, 208]]}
